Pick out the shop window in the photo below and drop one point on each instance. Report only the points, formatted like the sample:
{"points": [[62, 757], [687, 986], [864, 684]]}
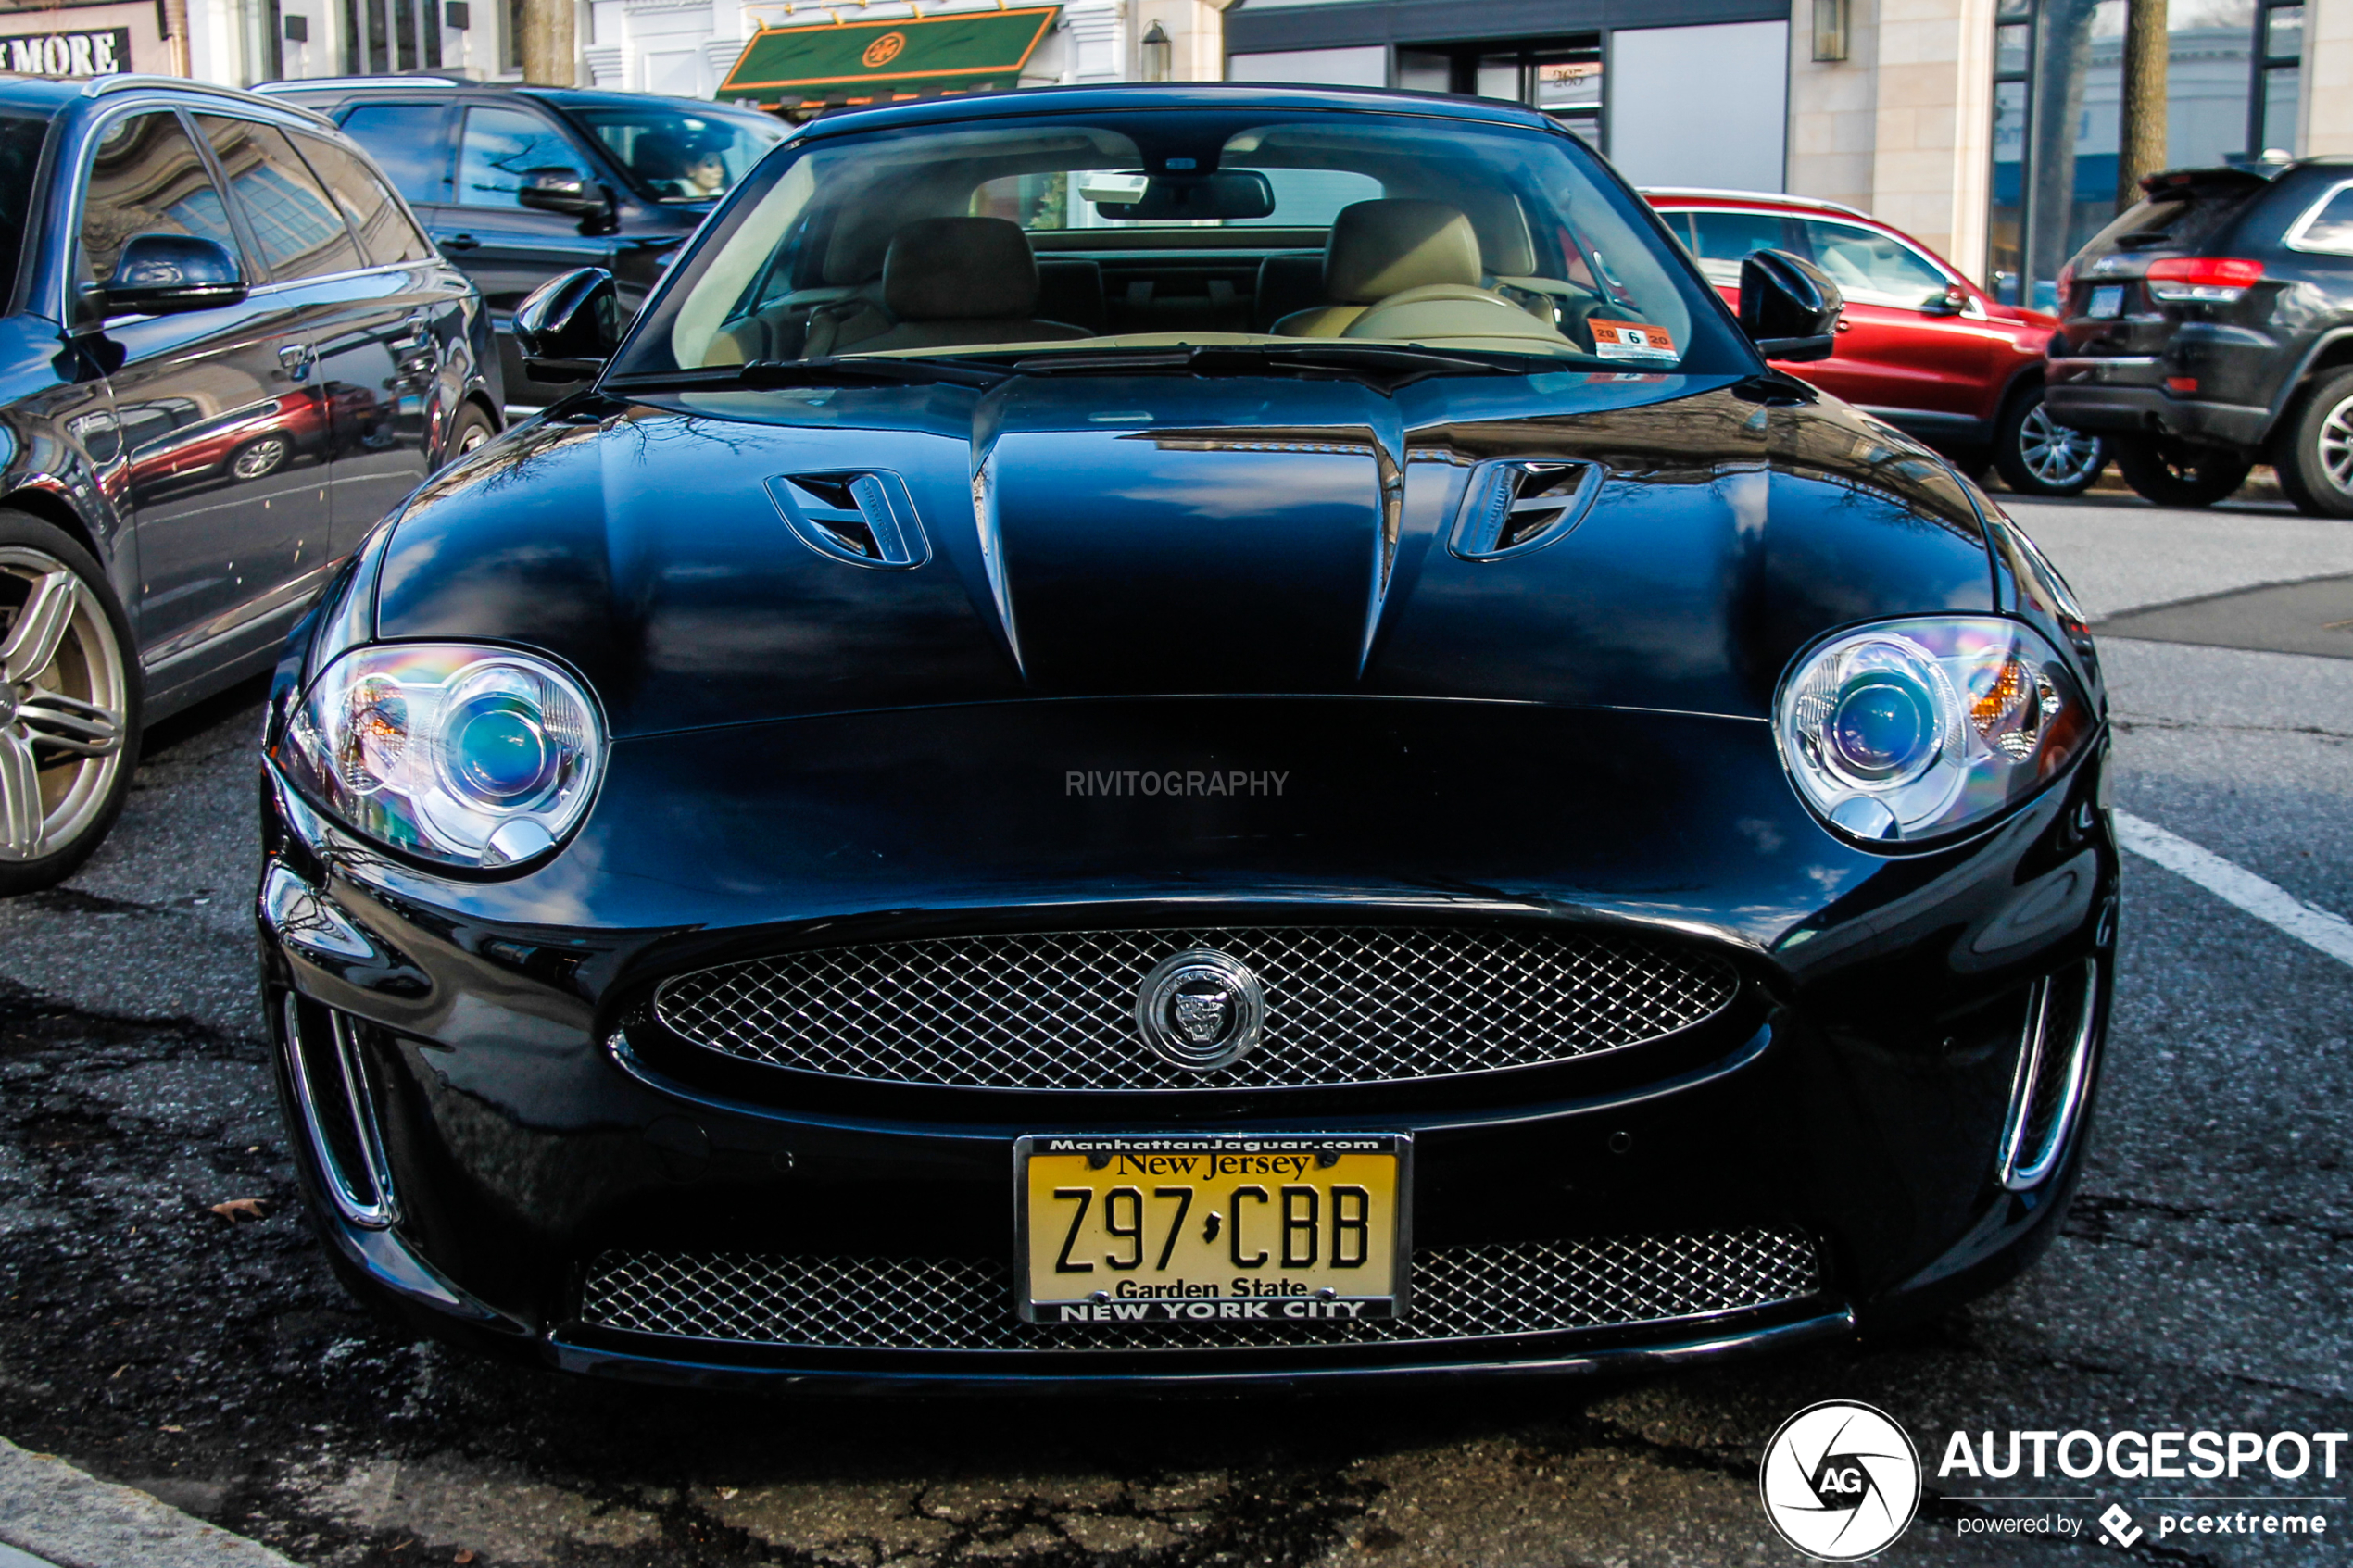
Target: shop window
{"points": [[384, 36], [1560, 76], [2233, 81]]}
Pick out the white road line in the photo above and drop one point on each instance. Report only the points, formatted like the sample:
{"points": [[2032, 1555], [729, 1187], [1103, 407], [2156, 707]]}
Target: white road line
{"points": [[2331, 932]]}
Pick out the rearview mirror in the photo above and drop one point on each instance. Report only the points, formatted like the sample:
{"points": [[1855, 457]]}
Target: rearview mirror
{"points": [[565, 191], [570, 325], [1789, 306], [1171, 198], [167, 274]]}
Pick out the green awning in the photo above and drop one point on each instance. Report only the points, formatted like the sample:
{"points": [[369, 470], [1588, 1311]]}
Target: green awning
{"points": [[851, 62]]}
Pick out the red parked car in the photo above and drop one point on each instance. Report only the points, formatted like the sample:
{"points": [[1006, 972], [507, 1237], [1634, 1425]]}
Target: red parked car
{"points": [[1921, 346]]}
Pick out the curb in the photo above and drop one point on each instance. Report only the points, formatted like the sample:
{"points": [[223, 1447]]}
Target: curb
{"points": [[64, 1518]]}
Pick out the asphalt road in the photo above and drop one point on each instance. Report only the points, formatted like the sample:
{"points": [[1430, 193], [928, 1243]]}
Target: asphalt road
{"points": [[2204, 1279]]}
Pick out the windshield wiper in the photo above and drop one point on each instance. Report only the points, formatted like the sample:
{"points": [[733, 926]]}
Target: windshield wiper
{"points": [[1377, 364], [836, 371]]}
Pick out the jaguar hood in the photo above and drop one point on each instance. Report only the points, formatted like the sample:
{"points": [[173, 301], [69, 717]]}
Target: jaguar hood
{"points": [[1664, 543]]}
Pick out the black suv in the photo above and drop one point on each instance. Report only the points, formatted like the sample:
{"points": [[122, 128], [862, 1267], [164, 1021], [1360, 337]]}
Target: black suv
{"points": [[228, 351], [2210, 328], [522, 184]]}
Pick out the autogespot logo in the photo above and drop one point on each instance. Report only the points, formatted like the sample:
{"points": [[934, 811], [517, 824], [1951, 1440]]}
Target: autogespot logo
{"points": [[1839, 1481]]}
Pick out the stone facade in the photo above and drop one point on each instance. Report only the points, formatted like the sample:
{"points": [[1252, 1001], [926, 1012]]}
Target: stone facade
{"points": [[1903, 127]]}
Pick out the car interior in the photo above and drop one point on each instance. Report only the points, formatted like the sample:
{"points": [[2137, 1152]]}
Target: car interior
{"points": [[1043, 239]]}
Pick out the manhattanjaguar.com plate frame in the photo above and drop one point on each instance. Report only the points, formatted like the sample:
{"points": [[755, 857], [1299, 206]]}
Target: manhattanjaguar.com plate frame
{"points": [[1396, 1144]]}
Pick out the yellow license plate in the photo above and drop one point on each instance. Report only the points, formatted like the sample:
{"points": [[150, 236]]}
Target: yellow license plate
{"points": [[1178, 1228]]}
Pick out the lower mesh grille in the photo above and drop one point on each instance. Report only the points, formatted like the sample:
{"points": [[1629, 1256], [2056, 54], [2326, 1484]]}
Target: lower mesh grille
{"points": [[956, 1304]]}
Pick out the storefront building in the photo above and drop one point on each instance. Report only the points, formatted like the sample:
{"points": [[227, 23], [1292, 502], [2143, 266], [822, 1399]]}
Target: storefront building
{"points": [[1988, 129], [87, 40]]}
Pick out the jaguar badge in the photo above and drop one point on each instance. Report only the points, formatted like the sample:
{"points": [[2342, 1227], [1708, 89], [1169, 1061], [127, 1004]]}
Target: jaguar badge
{"points": [[1200, 1009]]}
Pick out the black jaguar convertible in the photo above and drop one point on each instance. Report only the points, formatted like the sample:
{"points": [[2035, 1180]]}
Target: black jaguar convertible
{"points": [[1184, 733]]}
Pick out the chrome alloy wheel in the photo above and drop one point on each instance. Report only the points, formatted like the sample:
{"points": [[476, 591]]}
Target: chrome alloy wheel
{"points": [[2057, 455], [475, 436], [2337, 445], [63, 696], [264, 456]]}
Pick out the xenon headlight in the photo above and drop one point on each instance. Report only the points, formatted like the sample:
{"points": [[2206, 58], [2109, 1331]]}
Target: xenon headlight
{"points": [[478, 757], [1911, 730]]}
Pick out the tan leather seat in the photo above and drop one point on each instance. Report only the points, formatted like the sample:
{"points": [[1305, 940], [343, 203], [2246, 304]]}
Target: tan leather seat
{"points": [[949, 282], [945, 282], [1378, 248]]}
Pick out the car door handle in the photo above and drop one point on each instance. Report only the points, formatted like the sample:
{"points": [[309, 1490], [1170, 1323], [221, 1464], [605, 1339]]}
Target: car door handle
{"points": [[298, 358], [462, 242]]}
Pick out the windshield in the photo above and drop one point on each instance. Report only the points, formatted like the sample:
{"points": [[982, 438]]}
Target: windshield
{"points": [[1196, 227], [671, 154]]}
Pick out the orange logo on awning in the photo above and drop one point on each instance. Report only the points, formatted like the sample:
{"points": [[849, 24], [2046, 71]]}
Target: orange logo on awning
{"points": [[883, 50]]}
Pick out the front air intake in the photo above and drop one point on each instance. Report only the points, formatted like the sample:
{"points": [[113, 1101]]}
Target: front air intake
{"points": [[1490, 1291], [864, 519], [1521, 505], [2053, 1073], [337, 1108]]}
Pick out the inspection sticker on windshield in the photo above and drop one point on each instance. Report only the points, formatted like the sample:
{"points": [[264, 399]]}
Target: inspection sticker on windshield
{"points": [[1631, 340]]}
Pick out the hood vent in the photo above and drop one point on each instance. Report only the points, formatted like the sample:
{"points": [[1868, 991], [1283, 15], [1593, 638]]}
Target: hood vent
{"points": [[1522, 504], [864, 519]]}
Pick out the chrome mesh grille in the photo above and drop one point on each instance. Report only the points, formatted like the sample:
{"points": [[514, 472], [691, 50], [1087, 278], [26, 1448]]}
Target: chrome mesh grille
{"points": [[1345, 1005], [954, 1304]]}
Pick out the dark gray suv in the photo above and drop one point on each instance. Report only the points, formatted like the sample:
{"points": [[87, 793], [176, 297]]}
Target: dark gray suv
{"points": [[228, 351], [522, 184], [2210, 328]]}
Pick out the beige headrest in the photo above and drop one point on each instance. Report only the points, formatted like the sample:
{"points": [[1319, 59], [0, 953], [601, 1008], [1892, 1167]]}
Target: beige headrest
{"points": [[1380, 247], [960, 268]]}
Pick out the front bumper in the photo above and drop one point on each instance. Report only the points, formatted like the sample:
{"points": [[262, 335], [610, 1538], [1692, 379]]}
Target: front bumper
{"points": [[540, 1137]]}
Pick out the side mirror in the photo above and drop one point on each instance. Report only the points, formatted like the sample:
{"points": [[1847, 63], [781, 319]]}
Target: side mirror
{"points": [[1789, 306], [1952, 302], [570, 325], [566, 191], [166, 275]]}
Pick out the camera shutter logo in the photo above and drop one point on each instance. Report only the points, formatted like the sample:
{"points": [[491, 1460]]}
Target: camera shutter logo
{"points": [[1839, 1481]]}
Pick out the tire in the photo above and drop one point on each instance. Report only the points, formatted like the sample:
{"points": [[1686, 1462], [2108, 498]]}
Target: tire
{"points": [[471, 429], [2038, 455], [259, 457], [2314, 454], [68, 705], [2172, 474]]}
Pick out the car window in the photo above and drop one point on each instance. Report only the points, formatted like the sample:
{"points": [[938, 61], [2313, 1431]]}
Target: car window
{"points": [[20, 139], [2330, 227], [146, 177], [405, 141], [385, 230], [1722, 238], [500, 148], [670, 154], [299, 231], [1871, 267], [2177, 218]]}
